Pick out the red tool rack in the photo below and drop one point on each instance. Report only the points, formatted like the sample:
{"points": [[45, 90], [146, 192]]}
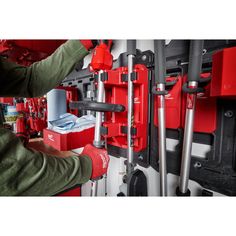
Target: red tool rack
{"points": [[115, 124], [206, 107]]}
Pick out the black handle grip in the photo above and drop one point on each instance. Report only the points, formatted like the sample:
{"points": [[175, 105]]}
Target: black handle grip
{"points": [[97, 106], [131, 47], [195, 60], [160, 61]]}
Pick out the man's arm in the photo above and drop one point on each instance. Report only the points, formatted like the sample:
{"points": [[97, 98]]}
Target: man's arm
{"points": [[28, 172], [39, 78]]}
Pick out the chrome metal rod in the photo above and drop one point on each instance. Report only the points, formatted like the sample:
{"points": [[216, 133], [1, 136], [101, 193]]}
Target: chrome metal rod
{"points": [[97, 132], [194, 71], [130, 115], [162, 141], [100, 95], [188, 138], [105, 184], [94, 188]]}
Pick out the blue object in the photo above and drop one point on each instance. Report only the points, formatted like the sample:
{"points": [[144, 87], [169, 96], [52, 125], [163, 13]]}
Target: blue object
{"points": [[69, 121]]}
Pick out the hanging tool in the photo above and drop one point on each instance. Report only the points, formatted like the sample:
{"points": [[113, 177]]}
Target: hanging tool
{"points": [[101, 61], [191, 88], [160, 91], [131, 51], [136, 179]]}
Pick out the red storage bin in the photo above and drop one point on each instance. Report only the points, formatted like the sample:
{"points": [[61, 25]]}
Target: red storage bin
{"points": [[223, 73], [69, 141]]}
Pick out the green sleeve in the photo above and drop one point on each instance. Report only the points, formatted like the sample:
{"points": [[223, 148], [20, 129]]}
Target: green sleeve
{"points": [[27, 172], [39, 78]]}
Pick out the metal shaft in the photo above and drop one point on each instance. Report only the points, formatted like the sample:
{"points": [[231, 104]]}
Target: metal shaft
{"points": [[100, 95], [162, 141], [94, 188], [160, 73], [130, 115], [97, 132], [105, 184], [194, 71], [188, 138]]}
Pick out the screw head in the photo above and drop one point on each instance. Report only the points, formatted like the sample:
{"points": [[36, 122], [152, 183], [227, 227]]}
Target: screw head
{"points": [[144, 58], [140, 157], [197, 165], [229, 114], [124, 179]]}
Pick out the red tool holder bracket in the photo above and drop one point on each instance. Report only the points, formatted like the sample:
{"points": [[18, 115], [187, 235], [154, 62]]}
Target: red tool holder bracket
{"points": [[115, 125], [173, 104], [205, 113], [206, 109]]}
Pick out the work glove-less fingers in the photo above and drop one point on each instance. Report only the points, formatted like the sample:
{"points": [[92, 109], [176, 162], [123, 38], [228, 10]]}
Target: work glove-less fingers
{"points": [[100, 160]]}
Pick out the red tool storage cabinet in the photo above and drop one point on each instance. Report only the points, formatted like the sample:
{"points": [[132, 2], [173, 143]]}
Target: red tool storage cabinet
{"points": [[69, 141], [224, 73], [116, 88]]}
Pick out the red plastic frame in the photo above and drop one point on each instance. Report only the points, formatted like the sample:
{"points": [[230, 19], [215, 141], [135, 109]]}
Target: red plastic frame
{"points": [[116, 93]]}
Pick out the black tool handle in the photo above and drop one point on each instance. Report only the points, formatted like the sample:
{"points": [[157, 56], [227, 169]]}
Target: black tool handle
{"points": [[97, 106], [195, 60], [180, 194], [131, 47], [160, 61]]}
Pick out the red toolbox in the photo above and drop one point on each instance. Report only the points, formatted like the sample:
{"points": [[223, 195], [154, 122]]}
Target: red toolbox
{"points": [[206, 109], [223, 73], [6, 100], [115, 124], [68, 141], [173, 105]]}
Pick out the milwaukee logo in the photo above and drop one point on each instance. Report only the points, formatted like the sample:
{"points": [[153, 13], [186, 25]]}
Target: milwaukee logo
{"points": [[50, 137], [169, 96], [104, 161], [136, 100]]}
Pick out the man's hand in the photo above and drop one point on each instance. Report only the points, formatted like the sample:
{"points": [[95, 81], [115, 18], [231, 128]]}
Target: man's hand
{"points": [[100, 160]]}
